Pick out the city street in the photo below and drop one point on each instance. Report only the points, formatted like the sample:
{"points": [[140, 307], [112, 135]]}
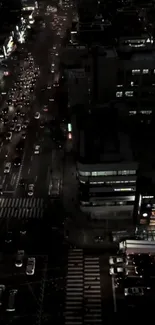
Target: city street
{"points": [[35, 168]]}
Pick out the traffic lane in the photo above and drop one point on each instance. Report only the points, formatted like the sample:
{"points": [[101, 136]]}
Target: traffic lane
{"points": [[44, 160], [9, 150]]}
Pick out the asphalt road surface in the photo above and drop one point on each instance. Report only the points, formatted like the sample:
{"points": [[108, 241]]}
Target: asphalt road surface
{"points": [[34, 168]]}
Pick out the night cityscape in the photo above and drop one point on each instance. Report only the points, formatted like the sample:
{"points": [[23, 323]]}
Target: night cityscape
{"points": [[77, 162]]}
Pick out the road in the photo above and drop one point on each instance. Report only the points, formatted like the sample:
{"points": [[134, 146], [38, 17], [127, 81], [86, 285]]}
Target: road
{"points": [[35, 167]]}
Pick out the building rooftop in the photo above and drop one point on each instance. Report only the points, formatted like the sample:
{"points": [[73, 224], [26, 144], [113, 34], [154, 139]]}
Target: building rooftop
{"points": [[100, 142]]}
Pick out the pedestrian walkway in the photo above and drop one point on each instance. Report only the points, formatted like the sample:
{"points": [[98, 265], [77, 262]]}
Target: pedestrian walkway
{"points": [[92, 291], [21, 208], [83, 289], [74, 288]]}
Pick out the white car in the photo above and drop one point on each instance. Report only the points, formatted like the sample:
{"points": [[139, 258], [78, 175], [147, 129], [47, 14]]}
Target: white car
{"points": [[7, 168], [19, 258], [116, 270], [37, 150], [18, 128], [37, 116], [9, 136], [115, 260], [30, 189], [30, 268]]}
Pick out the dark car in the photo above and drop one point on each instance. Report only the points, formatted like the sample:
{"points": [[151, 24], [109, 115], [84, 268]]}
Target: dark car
{"points": [[20, 145], [14, 120], [17, 161], [5, 111], [6, 120], [22, 182], [18, 112]]}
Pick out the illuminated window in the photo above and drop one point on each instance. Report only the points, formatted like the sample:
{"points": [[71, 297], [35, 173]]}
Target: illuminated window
{"points": [[119, 93], [104, 173], [136, 71], [132, 112], [126, 172], [81, 173], [125, 189], [146, 112], [145, 71], [129, 93]]}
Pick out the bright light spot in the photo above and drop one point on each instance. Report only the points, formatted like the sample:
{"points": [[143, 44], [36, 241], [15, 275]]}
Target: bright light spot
{"points": [[69, 136], [69, 127]]}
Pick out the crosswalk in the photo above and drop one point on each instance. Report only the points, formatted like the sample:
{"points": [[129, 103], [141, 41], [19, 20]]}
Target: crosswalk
{"points": [[83, 289], [21, 208]]}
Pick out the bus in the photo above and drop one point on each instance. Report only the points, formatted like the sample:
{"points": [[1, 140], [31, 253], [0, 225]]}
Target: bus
{"points": [[54, 188]]}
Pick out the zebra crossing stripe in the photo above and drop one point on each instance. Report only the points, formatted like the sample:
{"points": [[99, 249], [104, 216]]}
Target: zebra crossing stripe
{"points": [[83, 289], [21, 208]]}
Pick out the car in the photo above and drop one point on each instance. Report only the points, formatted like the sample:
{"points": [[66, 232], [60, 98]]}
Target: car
{"points": [[45, 108], [37, 116], [17, 112], [7, 168], [1, 189], [2, 289], [5, 120], [23, 229], [20, 145], [56, 84], [134, 291], [42, 125], [22, 114], [30, 268], [116, 271], [22, 182], [12, 127], [9, 136], [11, 300], [30, 189], [23, 136], [18, 128], [36, 149], [5, 111], [97, 239], [48, 87], [115, 260], [19, 258], [14, 120], [7, 152], [17, 161], [8, 239]]}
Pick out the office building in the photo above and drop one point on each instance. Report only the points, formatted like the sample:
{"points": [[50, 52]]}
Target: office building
{"points": [[106, 169]]}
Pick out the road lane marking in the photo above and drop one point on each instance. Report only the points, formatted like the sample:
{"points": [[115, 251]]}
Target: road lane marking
{"points": [[13, 179], [20, 170], [4, 178]]}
